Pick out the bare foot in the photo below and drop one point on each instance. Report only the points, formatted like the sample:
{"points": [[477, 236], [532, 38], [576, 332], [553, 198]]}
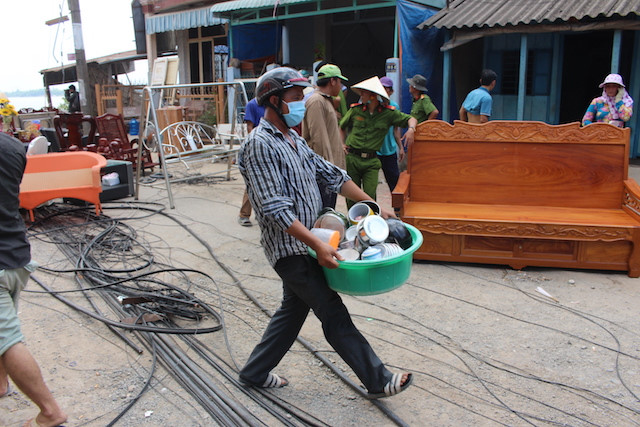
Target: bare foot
{"points": [[405, 378], [43, 421], [4, 389]]}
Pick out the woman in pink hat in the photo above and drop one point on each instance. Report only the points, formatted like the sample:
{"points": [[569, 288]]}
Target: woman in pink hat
{"points": [[615, 106]]}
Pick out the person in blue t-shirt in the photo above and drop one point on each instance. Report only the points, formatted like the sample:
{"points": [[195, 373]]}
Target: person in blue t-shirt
{"points": [[252, 115], [391, 146], [476, 107]]}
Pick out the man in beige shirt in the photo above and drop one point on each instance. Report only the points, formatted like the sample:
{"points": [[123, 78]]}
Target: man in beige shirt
{"points": [[320, 125]]}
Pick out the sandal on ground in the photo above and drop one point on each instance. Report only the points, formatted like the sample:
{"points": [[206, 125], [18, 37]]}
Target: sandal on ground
{"points": [[393, 387], [244, 221], [272, 381]]}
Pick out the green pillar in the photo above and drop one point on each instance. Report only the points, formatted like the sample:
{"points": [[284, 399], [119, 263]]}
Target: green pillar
{"points": [[522, 79], [615, 51], [446, 81]]}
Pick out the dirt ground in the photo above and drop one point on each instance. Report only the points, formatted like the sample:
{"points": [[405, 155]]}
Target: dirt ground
{"points": [[485, 347]]}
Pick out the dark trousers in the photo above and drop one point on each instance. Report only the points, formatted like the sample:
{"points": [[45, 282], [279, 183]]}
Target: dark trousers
{"points": [[304, 287], [390, 169]]}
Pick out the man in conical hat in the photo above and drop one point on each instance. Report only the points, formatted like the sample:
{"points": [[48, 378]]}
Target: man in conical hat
{"points": [[368, 122]]}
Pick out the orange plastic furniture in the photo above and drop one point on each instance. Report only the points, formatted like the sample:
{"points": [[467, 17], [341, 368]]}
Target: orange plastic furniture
{"points": [[71, 174]]}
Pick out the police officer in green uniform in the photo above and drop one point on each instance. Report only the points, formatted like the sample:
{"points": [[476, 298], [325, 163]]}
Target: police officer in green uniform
{"points": [[422, 108], [368, 122]]}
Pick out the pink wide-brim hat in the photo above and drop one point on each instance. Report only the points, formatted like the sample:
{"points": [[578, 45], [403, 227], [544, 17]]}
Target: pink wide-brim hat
{"points": [[612, 78]]}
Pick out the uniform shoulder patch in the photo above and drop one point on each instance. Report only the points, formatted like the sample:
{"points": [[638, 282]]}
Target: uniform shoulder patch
{"points": [[355, 104], [390, 107]]}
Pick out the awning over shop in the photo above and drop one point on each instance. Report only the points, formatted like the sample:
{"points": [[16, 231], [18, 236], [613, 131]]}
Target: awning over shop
{"points": [[257, 11], [252, 4], [194, 18]]}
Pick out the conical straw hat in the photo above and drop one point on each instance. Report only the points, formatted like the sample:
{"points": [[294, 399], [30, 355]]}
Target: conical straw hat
{"points": [[372, 85]]}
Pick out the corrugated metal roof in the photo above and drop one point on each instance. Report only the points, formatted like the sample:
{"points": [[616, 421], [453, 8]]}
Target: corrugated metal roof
{"points": [[501, 13], [252, 4]]}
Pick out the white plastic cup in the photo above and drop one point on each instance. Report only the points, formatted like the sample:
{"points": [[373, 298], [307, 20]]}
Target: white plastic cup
{"points": [[331, 237]]}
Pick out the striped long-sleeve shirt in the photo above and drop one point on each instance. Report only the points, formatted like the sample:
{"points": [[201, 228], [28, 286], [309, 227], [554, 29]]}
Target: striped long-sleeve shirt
{"points": [[282, 183]]}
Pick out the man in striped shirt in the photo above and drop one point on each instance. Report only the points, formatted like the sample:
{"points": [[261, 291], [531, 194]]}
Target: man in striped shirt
{"points": [[282, 175]]}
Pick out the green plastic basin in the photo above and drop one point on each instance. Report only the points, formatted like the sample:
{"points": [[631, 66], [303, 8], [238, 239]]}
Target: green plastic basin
{"points": [[371, 277]]}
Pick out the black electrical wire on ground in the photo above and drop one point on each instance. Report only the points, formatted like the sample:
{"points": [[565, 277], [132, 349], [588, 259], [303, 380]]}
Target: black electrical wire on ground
{"points": [[572, 389], [337, 371], [90, 250], [95, 274]]}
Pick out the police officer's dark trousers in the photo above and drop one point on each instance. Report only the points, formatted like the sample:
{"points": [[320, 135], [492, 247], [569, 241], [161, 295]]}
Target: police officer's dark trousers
{"points": [[304, 287]]}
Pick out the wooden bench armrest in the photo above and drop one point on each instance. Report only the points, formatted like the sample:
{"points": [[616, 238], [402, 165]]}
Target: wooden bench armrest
{"points": [[400, 193], [631, 201]]}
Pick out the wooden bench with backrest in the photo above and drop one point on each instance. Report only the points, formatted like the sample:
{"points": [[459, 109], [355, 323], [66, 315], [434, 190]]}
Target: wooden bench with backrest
{"points": [[523, 194]]}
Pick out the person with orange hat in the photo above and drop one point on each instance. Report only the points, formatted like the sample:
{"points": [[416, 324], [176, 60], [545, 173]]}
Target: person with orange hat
{"points": [[368, 123], [614, 106]]}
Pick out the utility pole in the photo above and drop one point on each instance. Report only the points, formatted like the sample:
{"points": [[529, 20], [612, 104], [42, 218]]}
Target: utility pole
{"points": [[87, 98]]}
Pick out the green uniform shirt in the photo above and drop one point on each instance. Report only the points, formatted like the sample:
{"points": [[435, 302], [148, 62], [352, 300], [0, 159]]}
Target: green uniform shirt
{"points": [[343, 104], [422, 107], [368, 130]]}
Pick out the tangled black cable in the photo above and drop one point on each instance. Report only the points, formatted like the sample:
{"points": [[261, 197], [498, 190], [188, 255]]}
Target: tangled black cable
{"points": [[111, 262]]}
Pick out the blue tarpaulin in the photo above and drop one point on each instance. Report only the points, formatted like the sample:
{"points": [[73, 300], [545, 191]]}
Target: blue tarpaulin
{"points": [[420, 50], [255, 40]]}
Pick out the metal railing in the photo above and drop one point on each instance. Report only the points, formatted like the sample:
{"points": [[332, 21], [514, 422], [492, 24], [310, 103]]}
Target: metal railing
{"points": [[155, 96]]}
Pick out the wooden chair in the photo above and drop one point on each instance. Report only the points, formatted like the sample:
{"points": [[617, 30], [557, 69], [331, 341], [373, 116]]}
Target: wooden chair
{"points": [[111, 127], [70, 134]]}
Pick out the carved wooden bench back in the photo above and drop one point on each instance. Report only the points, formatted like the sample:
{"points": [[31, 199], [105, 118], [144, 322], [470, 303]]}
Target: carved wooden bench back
{"points": [[519, 163]]}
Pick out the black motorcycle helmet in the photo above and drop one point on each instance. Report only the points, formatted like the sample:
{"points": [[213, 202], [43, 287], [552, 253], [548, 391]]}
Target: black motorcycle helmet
{"points": [[276, 81]]}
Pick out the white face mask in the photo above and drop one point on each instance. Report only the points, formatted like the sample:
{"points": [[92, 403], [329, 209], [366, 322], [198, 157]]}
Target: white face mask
{"points": [[296, 113]]}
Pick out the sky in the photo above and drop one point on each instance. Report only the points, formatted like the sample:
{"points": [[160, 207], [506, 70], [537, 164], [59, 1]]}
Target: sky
{"points": [[30, 46]]}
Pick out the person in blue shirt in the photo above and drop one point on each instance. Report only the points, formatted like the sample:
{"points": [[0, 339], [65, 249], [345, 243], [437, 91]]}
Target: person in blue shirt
{"points": [[388, 153], [476, 107], [252, 115]]}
